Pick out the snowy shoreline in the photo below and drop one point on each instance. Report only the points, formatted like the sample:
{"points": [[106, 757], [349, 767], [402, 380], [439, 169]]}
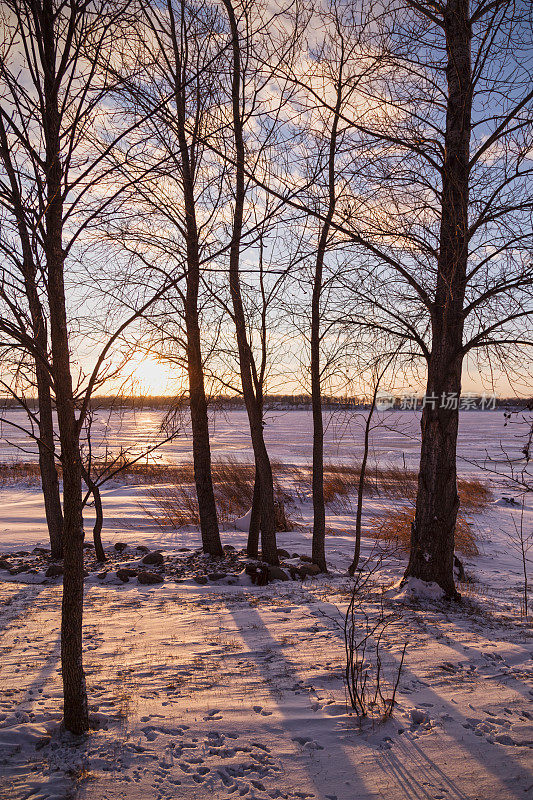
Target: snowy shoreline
{"points": [[228, 690]]}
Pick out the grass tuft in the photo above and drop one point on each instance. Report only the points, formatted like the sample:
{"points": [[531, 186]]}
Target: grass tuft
{"points": [[395, 527], [175, 505]]}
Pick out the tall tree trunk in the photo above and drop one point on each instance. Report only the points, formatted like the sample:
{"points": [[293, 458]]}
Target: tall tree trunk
{"points": [[437, 503], [197, 398], [253, 404], [47, 465], [76, 718], [47, 462], [319, 506]]}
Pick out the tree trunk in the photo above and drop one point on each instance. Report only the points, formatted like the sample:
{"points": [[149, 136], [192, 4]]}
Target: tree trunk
{"points": [[252, 547], [98, 523], [94, 490], [75, 697], [200, 441], [76, 718], [361, 487], [47, 465], [319, 507], [437, 502], [269, 551], [47, 462], [197, 398], [253, 404], [49, 477]]}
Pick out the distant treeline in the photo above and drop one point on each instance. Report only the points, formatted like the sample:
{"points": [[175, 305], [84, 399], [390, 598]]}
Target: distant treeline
{"points": [[272, 402]]}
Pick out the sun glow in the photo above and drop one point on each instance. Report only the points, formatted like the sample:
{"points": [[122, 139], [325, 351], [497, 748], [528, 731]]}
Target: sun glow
{"points": [[151, 377]]}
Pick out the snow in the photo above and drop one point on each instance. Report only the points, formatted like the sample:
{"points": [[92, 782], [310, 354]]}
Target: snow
{"points": [[243, 523], [230, 691], [414, 587]]}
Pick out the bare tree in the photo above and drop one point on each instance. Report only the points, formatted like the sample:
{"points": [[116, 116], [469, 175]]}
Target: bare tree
{"points": [[245, 96], [379, 369], [168, 83], [440, 217], [50, 108], [334, 73]]}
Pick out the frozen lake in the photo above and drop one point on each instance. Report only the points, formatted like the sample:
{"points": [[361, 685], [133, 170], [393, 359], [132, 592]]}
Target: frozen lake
{"points": [[395, 436]]}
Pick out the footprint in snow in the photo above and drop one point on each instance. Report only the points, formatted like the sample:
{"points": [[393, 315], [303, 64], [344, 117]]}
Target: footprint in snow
{"points": [[307, 742], [260, 710], [215, 714]]}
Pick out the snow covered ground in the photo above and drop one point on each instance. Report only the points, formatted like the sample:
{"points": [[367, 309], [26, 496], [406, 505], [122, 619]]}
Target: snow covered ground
{"points": [[229, 691]]}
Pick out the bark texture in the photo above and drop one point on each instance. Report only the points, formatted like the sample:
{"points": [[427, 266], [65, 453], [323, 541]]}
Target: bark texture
{"points": [[437, 503], [76, 717]]}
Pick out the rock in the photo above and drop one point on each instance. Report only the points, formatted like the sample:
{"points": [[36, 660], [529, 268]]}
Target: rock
{"points": [[307, 559], [283, 553], [41, 551], [228, 548], [102, 575], [295, 555], [182, 549], [201, 579], [54, 570], [125, 573], [309, 569], [141, 548], [217, 576], [120, 546], [294, 572], [4, 564], [153, 558], [258, 573], [276, 573], [149, 578], [88, 546]]}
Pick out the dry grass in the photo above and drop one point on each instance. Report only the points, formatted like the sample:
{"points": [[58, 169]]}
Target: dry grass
{"points": [[341, 481], [175, 505], [396, 528], [13, 472], [174, 502], [474, 494]]}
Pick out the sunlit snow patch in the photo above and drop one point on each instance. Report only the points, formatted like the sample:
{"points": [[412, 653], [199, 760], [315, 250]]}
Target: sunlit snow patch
{"points": [[408, 588]]}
